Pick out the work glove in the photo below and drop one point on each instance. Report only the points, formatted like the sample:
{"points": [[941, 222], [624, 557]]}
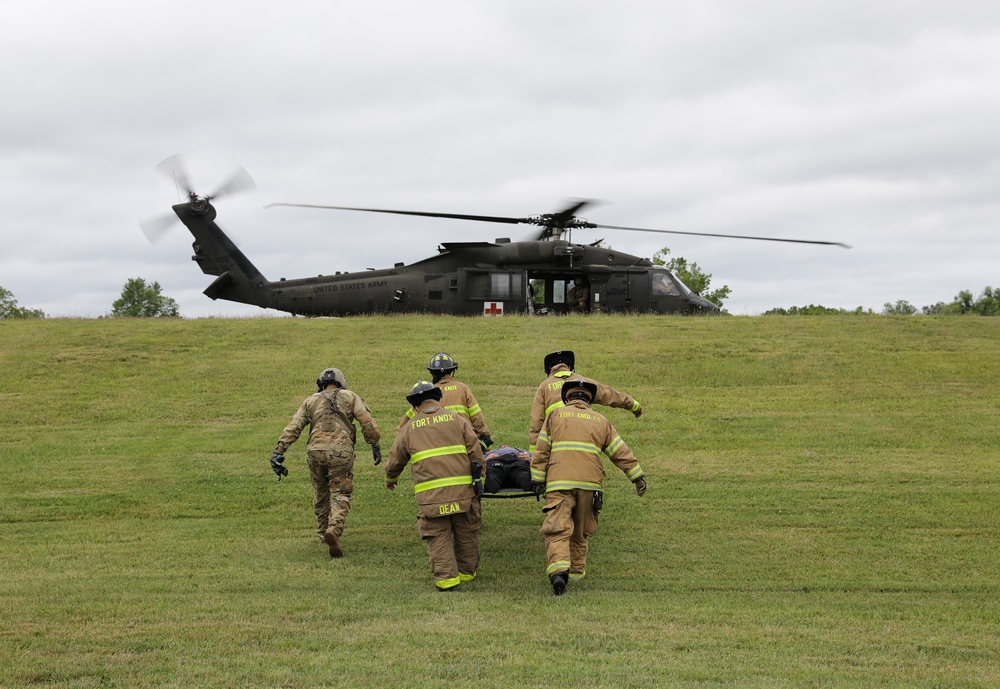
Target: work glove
{"points": [[638, 412], [486, 441], [377, 454], [538, 488], [640, 486], [277, 460]]}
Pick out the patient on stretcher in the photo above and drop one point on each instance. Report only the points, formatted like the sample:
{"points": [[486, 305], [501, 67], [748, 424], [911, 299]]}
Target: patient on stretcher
{"points": [[508, 468]]}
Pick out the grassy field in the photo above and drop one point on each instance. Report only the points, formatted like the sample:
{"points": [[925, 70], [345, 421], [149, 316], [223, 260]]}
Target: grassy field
{"points": [[823, 511]]}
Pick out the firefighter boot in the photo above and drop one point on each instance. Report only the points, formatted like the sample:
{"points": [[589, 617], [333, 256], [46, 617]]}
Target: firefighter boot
{"points": [[559, 581]]}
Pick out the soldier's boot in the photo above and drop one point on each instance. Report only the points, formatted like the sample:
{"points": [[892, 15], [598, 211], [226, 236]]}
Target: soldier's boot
{"points": [[334, 543], [559, 581]]}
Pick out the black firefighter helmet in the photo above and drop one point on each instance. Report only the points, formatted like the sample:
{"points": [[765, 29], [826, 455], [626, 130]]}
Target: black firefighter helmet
{"points": [[579, 386], [442, 363], [421, 391], [331, 375], [561, 357]]}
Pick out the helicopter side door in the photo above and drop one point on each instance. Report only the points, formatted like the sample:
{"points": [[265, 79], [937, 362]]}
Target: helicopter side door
{"points": [[491, 292]]}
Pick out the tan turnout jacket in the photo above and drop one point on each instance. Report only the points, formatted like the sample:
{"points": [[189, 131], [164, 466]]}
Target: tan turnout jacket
{"points": [[548, 397], [456, 396], [439, 445], [570, 445]]}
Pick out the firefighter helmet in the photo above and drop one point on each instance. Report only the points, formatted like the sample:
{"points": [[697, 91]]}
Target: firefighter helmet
{"points": [[561, 357], [331, 375], [421, 391], [577, 386], [442, 363]]}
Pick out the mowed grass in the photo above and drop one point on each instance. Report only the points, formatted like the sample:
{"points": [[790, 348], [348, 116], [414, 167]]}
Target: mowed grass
{"points": [[823, 511]]}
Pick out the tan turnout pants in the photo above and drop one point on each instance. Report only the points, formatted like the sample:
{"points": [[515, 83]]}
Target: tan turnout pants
{"points": [[568, 524]]}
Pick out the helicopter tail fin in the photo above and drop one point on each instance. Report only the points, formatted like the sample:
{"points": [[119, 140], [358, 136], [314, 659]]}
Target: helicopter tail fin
{"points": [[215, 253]]}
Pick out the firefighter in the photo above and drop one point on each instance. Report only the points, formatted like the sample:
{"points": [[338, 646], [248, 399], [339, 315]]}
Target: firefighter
{"points": [[559, 366], [567, 469], [444, 455], [456, 396], [330, 414]]}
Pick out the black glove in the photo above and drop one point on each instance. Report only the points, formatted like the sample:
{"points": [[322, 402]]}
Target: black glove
{"points": [[377, 454], [276, 463], [640, 486], [538, 488], [486, 440]]}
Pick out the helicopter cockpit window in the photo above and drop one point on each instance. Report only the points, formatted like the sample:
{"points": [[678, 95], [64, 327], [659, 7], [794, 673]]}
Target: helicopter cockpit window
{"points": [[664, 286], [505, 286]]}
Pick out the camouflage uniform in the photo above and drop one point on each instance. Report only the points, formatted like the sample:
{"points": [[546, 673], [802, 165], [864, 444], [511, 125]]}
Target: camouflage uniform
{"points": [[330, 451], [440, 446], [568, 462], [548, 397]]}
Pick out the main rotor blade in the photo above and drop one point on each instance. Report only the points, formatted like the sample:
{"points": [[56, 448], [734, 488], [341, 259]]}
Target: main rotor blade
{"points": [[155, 228], [239, 181], [455, 216], [173, 167], [727, 236]]}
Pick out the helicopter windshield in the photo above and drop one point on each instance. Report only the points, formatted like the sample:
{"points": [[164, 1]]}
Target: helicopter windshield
{"points": [[666, 284]]}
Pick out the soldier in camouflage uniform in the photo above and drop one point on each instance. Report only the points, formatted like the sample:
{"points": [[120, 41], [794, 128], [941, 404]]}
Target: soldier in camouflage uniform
{"points": [[330, 415]]}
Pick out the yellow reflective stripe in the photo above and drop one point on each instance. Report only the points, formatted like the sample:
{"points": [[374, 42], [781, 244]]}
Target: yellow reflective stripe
{"points": [[544, 437], [443, 482], [448, 583], [563, 374], [571, 485], [459, 409], [473, 410], [552, 407], [531, 449], [537, 475], [557, 566], [391, 480], [411, 412], [466, 577], [574, 446], [635, 407], [636, 473], [577, 576], [438, 452], [615, 444]]}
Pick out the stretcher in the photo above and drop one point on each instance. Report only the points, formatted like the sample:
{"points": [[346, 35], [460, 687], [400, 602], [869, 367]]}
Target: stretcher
{"points": [[507, 456]]}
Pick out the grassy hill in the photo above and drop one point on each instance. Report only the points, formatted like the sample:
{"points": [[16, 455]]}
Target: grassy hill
{"points": [[823, 511]]}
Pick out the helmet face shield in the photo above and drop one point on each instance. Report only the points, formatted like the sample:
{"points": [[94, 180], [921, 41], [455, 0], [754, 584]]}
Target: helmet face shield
{"points": [[579, 387], [331, 375], [564, 356]]}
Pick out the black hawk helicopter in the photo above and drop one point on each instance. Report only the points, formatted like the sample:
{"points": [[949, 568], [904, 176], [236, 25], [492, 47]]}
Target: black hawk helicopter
{"points": [[547, 274]]}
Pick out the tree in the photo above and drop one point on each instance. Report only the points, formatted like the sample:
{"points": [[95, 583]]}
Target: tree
{"points": [[691, 275], [10, 309], [900, 308], [139, 300]]}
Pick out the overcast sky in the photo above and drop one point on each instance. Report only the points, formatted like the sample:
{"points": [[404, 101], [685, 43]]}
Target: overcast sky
{"points": [[876, 124]]}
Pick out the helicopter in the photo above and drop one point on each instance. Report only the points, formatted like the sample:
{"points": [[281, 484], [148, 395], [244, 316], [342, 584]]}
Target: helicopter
{"points": [[545, 274]]}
